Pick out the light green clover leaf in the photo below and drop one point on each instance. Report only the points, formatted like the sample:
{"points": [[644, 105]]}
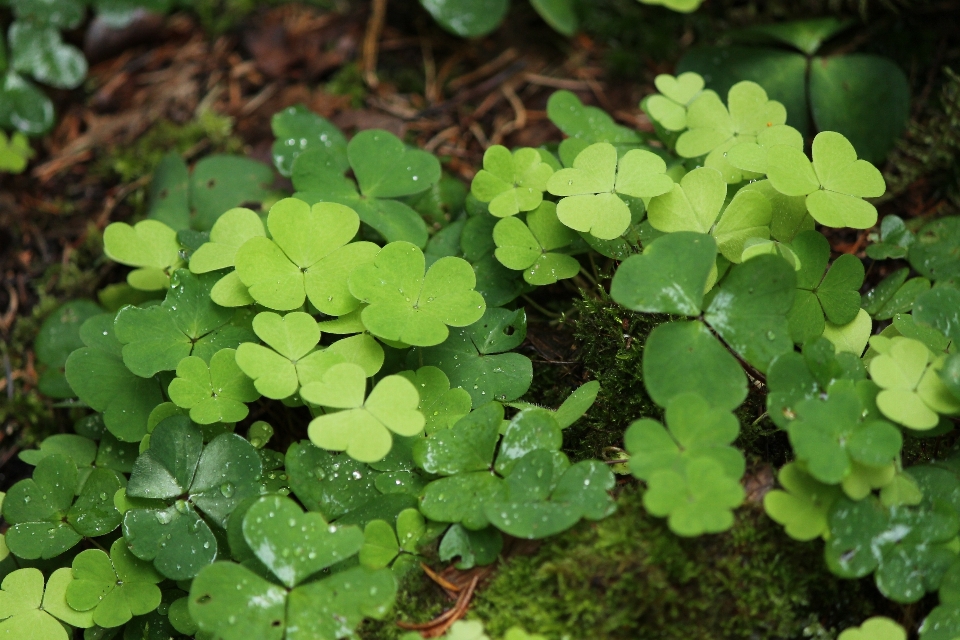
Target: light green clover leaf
{"points": [[829, 435], [385, 169], [669, 107], [912, 392], [876, 628], [511, 182], [380, 545], [180, 475], [309, 256], [696, 205], [823, 294], [232, 602], [30, 612], [904, 545], [440, 405], [834, 184], [680, 6], [789, 214], [713, 130], [113, 588], [228, 234], [186, 323], [530, 247], [149, 245], [590, 188], [574, 407], [802, 507], [851, 337], [408, 306], [479, 358], [46, 520], [670, 276], [696, 500], [363, 428], [752, 156], [213, 393], [82, 451], [15, 152], [291, 360], [295, 545], [695, 431], [297, 130]]}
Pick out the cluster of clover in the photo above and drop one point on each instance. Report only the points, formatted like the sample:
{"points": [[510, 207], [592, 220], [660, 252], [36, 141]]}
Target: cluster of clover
{"points": [[395, 339]]}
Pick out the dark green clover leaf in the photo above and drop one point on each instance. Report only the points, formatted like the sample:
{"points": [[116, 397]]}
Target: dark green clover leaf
{"points": [[479, 359], [834, 184], [364, 425], [530, 247], [40, 51], [713, 130], [904, 545], [59, 336], [380, 545], [413, 307], [179, 471], [585, 126], [669, 107], [684, 357], [912, 391], [44, 518], [529, 430], [591, 189], [697, 499], [511, 182], [467, 446], [151, 246], [833, 296], [461, 498], [670, 276], [113, 588], [186, 323], [894, 294], [213, 393], [696, 204], [309, 256], [472, 547], [295, 545], [440, 405], [829, 435], [940, 308], [385, 169], [228, 234], [528, 512], [467, 18], [292, 359], [937, 248], [330, 484], [695, 431], [893, 241], [802, 507], [297, 130], [30, 612]]}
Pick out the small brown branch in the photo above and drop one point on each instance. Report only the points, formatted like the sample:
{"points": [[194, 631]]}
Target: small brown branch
{"points": [[371, 42]]}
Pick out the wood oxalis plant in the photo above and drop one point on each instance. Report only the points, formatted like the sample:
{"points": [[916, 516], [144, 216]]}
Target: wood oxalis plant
{"points": [[356, 313]]}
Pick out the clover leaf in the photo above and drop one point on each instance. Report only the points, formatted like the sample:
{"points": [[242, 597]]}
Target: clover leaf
{"points": [[441, 405], [229, 233], [113, 588], [585, 126], [30, 612], [472, 547], [876, 628], [15, 152], [186, 323], [45, 518], [292, 359], [893, 240], [333, 485], [410, 306], [802, 507], [669, 107], [39, 50], [894, 294], [461, 498], [232, 602], [934, 254], [696, 204], [669, 277], [590, 188], [363, 429], [479, 359], [59, 336], [680, 6], [309, 256], [385, 169], [789, 214], [695, 431], [297, 130], [834, 184], [829, 435], [182, 475], [213, 393], [467, 446], [380, 545], [529, 247], [511, 182], [903, 545], [940, 308], [713, 130], [697, 499], [149, 245], [751, 157], [912, 392], [823, 294]]}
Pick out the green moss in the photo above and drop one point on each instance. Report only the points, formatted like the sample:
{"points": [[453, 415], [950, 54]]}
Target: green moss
{"points": [[629, 577], [348, 81], [419, 599]]}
